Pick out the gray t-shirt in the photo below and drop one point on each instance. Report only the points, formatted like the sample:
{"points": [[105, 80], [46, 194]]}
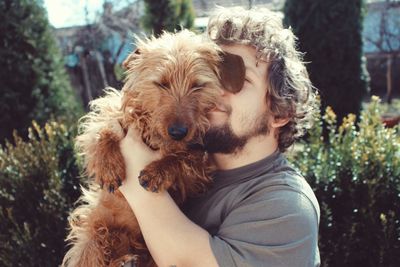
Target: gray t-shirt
{"points": [[262, 214]]}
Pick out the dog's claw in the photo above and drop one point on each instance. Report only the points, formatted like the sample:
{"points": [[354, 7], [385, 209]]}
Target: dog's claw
{"points": [[111, 189], [154, 190], [144, 184], [102, 185], [119, 181]]}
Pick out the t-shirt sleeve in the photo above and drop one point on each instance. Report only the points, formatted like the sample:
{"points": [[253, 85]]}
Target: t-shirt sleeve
{"points": [[278, 230]]}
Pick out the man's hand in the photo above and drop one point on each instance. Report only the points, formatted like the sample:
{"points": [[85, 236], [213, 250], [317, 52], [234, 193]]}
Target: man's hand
{"points": [[137, 155], [165, 228]]}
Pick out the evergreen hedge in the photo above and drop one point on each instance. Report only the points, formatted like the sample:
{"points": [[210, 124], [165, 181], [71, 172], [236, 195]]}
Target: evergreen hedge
{"points": [[34, 85], [356, 177], [38, 185], [330, 35]]}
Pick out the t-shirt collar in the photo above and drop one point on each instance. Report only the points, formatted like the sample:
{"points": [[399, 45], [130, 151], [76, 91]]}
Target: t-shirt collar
{"points": [[225, 177]]}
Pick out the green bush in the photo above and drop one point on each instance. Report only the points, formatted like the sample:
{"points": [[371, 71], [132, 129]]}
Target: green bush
{"points": [[356, 178], [34, 85], [38, 186]]}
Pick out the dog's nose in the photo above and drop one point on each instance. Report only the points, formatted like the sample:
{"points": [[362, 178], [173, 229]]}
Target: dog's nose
{"points": [[177, 132]]}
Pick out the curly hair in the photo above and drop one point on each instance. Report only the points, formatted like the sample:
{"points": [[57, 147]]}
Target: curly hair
{"points": [[290, 94]]}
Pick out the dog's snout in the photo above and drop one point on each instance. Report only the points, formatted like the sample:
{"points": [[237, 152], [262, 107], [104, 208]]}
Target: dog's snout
{"points": [[177, 132]]}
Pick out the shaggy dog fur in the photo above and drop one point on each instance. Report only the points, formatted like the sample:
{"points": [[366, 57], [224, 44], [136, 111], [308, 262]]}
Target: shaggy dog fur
{"points": [[172, 82]]}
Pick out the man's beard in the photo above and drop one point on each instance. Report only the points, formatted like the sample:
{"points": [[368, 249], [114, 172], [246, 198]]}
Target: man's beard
{"points": [[222, 139]]}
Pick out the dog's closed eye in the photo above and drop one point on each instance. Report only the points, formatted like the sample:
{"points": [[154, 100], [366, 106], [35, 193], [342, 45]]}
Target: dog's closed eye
{"points": [[197, 86], [162, 85]]}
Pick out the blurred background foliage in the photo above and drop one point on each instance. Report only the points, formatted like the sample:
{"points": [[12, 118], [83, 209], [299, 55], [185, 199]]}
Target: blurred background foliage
{"points": [[352, 162], [39, 183], [355, 174]]}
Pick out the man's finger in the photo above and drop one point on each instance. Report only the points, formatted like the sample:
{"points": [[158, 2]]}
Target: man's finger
{"points": [[133, 133]]}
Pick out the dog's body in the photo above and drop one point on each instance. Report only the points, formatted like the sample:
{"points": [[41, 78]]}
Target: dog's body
{"points": [[172, 82]]}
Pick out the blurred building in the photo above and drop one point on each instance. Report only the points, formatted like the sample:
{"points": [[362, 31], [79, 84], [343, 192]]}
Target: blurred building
{"points": [[382, 47], [94, 52]]}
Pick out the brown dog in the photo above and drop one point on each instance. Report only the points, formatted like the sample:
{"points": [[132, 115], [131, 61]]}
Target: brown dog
{"points": [[172, 82]]}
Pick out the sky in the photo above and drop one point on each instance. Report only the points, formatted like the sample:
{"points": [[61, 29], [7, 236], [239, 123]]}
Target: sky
{"points": [[65, 13]]}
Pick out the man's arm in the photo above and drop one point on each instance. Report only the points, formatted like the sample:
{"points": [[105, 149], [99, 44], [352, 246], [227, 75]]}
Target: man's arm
{"points": [[170, 236]]}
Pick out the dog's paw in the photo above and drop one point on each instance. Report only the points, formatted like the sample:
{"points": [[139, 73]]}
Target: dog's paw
{"points": [[160, 175], [153, 180], [110, 184], [146, 181]]}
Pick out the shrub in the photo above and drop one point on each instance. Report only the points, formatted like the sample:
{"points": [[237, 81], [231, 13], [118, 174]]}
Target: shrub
{"points": [[356, 177], [38, 185]]}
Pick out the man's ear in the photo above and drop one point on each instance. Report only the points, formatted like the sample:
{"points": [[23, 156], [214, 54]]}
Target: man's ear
{"points": [[126, 64], [279, 122], [232, 72]]}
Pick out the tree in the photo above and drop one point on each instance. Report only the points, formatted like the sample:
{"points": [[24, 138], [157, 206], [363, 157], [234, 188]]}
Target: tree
{"points": [[34, 85], [330, 34], [168, 15]]}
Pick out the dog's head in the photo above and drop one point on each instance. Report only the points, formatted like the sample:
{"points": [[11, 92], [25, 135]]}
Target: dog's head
{"points": [[172, 82]]}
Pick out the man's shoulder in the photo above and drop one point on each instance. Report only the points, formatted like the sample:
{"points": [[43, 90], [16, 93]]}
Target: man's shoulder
{"points": [[281, 175], [285, 184]]}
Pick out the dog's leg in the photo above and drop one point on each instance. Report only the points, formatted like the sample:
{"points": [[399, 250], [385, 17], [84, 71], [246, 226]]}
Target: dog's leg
{"points": [[105, 235], [183, 172], [102, 249], [107, 162]]}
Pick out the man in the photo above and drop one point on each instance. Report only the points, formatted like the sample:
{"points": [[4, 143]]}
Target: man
{"points": [[259, 211]]}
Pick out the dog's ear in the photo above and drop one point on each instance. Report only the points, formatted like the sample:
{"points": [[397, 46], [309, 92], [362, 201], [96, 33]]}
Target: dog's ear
{"points": [[131, 57], [232, 72]]}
